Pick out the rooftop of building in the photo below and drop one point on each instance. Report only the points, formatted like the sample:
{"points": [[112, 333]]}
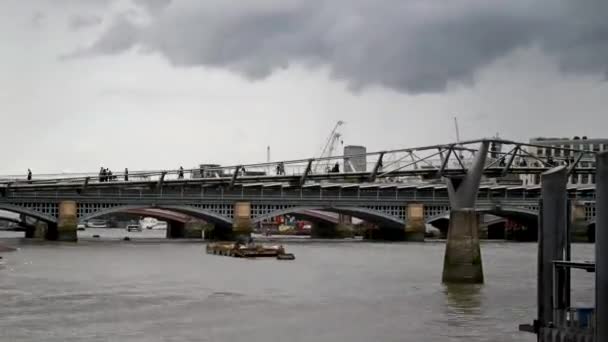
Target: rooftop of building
{"points": [[582, 139]]}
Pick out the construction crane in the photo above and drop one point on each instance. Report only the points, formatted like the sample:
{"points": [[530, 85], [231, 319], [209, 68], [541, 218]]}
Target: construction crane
{"points": [[330, 146]]}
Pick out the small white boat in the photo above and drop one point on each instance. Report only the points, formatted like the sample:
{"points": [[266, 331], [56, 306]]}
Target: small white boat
{"points": [[134, 228]]}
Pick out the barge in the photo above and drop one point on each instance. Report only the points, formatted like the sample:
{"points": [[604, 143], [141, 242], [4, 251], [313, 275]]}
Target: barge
{"points": [[237, 250]]}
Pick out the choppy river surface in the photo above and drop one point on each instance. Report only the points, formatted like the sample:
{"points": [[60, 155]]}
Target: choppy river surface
{"points": [[153, 290]]}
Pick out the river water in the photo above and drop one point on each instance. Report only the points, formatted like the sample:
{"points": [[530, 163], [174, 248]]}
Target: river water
{"points": [[153, 290]]}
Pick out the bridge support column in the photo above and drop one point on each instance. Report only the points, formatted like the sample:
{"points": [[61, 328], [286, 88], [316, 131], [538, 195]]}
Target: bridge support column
{"points": [[242, 225], [67, 224], [462, 262], [578, 222], [415, 227]]}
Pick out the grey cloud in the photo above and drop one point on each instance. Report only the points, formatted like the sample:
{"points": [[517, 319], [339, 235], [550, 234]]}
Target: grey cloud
{"points": [[38, 19], [121, 36], [80, 21], [408, 45], [153, 6]]}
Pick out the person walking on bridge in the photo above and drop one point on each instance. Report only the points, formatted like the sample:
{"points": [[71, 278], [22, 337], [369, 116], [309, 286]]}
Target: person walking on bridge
{"points": [[126, 174], [29, 176], [180, 173], [280, 169], [104, 175], [336, 168]]}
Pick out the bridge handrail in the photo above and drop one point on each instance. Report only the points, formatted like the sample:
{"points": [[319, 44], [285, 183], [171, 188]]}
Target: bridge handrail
{"points": [[461, 146]]}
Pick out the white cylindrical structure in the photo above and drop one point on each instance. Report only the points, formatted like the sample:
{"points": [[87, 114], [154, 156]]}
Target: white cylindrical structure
{"points": [[354, 158]]}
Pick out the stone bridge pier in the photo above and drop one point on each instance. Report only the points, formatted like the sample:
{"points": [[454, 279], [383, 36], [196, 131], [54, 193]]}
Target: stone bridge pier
{"points": [[415, 226], [67, 224], [242, 225]]}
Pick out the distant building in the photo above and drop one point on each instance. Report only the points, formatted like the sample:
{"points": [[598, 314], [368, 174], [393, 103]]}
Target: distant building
{"points": [[355, 159], [576, 143]]}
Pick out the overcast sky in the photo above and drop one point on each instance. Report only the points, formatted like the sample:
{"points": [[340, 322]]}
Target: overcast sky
{"points": [[150, 84]]}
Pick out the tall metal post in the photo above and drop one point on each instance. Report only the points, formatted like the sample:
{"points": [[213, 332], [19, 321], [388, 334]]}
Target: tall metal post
{"points": [[552, 237], [601, 249]]}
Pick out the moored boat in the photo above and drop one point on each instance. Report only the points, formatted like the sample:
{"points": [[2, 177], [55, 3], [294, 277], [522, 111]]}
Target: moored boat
{"points": [[248, 250]]}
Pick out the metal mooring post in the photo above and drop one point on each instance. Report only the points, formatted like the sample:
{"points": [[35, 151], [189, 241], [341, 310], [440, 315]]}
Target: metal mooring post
{"points": [[601, 249], [552, 238]]}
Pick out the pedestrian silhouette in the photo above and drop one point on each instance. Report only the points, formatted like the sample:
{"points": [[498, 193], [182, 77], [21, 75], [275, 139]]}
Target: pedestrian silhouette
{"points": [[523, 162], [180, 173], [280, 169], [126, 174], [102, 174], [109, 175], [29, 176]]}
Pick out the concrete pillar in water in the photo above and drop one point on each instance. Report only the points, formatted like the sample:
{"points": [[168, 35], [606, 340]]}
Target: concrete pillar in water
{"points": [[462, 262], [67, 224], [242, 225], [601, 249], [415, 227]]}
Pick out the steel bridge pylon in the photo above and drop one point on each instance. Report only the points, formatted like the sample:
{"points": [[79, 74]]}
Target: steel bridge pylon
{"points": [[462, 262]]}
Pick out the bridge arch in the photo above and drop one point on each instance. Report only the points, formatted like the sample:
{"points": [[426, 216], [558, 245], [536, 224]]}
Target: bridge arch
{"points": [[365, 214], [202, 214], [10, 219], [528, 217], [45, 217], [517, 214]]}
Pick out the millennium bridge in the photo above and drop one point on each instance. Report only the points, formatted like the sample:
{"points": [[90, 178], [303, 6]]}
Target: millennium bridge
{"points": [[403, 190]]}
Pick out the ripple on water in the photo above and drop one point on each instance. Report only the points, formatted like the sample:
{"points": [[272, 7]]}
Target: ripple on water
{"points": [[356, 292]]}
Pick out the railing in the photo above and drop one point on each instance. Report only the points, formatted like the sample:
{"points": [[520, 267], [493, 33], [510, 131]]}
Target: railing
{"points": [[428, 160]]}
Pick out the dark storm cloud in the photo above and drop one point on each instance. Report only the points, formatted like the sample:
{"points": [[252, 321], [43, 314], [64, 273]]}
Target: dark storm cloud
{"points": [[408, 45]]}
